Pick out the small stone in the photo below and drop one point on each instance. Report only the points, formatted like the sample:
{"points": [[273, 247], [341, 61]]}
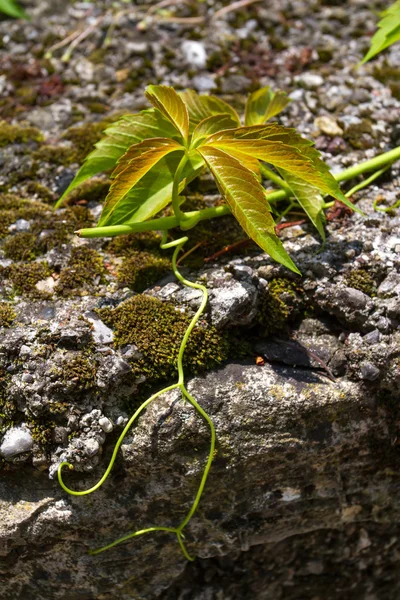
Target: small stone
{"points": [[137, 48], [328, 125], [60, 435], [372, 337], [204, 83], [369, 371], [46, 285], [234, 84], [309, 80], [16, 441], [91, 447], [195, 54], [100, 332], [131, 352], [20, 225], [106, 424], [27, 378], [25, 351]]}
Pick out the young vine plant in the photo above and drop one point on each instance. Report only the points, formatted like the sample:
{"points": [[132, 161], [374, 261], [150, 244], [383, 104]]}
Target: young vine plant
{"points": [[156, 153]]}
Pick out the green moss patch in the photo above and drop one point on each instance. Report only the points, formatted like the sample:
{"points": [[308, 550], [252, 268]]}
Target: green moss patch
{"points": [[25, 276], [84, 137], [13, 208], [278, 304], [80, 371], [7, 315], [360, 279], [141, 269], [81, 272], [21, 246], [157, 329], [16, 134]]}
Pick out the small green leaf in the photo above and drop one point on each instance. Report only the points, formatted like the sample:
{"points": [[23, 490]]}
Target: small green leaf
{"points": [[264, 104], [171, 106], [153, 192], [309, 199], [202, 107], [133, 165], [12, 9], [129, 130], [211, 125], [284, 149], [247, 201], [388, 32]]}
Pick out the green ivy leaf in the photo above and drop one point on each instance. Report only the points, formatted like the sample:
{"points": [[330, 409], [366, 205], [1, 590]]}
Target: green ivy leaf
{"points": [[171, 105], [284, 149], [154, 190], [309, 199], [202, 107], [129, 130], [12, 9], [132, 166], [247, 201], [388, 32], [264, 104], [211, 125]]}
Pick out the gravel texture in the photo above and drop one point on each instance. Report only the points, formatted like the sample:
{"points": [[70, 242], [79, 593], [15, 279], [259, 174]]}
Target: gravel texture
{"points": [[300, 375]]}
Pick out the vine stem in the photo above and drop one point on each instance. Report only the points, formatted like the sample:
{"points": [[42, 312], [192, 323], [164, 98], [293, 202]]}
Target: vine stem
{"points": [[190, 219], [177, 244]]}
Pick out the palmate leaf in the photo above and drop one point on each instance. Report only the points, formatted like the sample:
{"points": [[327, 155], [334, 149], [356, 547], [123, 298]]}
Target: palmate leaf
{"points": [[129, 130], [211, 125], [309, 199], [153, 191], [247, 201], [284, 149], [171, 105], [202, 107], [264, 104], [132, 166], [388, 32]]}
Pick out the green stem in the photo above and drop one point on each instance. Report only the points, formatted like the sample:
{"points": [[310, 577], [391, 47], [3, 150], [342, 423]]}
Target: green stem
{"points": [[373, 164], [161, 224], [175, 188], [366, 182]]}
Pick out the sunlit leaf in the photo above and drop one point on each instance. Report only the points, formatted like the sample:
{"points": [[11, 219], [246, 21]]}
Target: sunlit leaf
{"points": [[133, 165], [211, 125], [264, 104], [12, 9], [388, 31], [129, 130], [309, 199], [247, 201], [201, 107], [284, 149], [153, 192], [171, 105]]}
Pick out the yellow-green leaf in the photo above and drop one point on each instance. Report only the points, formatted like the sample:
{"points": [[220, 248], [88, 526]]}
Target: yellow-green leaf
{"points": [[138, 161], [247, 201], [309, 199], [211, 125], [264, 104], [201, 107], [388, 31], [152, 193], [169, 103], [130, 129]]}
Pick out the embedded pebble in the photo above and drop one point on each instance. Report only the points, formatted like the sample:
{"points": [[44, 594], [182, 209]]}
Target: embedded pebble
{"points": [[17, 440]]}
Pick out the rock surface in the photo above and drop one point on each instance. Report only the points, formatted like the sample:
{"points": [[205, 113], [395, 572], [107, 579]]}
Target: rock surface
{"points": [[300, 376]]}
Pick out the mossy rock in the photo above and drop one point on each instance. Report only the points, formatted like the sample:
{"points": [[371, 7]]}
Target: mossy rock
{"points": [[7, 316], [21, 247], [17, 134], [141, 269], [362, 280], [279, 304], [157, 329], [81, 371], [84, 267], [25, 276]]}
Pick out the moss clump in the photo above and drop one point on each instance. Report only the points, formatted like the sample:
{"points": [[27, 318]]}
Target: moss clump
{"points": [[157, 329], [7, 315], [81, 272], [84, 137], [25, 276], [13, 208], [21, 246], [80, 371], [91, 191], [16, 134], [278, 303], [360, 279], [124, 245], [56, 229], [55, 155], [142, 269]]}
